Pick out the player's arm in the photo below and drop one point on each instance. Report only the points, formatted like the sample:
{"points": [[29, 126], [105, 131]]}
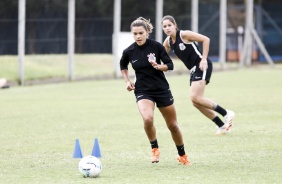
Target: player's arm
{"points": [[167, 62], [129, 85], [124, 61], [166, 44], [190, 36], [161, 67]]}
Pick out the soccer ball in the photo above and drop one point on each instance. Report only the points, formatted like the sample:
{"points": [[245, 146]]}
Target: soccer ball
{"points": [[90, 166]]}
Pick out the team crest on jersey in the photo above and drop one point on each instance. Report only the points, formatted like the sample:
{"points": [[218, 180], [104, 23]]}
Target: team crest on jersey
{"points": [[182, 46], [151, 57]]}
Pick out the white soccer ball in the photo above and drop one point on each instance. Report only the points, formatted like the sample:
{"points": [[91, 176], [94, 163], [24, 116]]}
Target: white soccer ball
{"points": [[90, 166]]}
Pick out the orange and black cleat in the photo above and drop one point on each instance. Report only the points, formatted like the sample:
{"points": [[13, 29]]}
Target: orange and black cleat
{"points": [[184, 160], [155, 155]]}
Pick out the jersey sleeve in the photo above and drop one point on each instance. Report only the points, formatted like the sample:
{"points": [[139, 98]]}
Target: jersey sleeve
{"points": [[124, 61], [165, 57]]}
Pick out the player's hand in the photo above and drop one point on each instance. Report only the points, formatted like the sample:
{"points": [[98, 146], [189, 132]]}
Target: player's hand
{"points": [[152, 61], [203, 65], [130, 86], [154, 64]]}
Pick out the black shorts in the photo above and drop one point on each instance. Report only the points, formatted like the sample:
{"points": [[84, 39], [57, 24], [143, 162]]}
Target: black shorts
{"points": [[197, 74], [162, 99]]}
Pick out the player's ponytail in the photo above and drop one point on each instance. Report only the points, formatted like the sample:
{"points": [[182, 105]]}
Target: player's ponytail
{"points": [[142, 22]]}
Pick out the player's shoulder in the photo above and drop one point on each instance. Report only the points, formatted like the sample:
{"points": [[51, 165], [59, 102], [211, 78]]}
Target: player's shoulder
{"points": [[129, 48], [185, 33], [167, 41], [154, 43]]}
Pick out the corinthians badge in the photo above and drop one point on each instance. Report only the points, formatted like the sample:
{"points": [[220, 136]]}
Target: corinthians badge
{"points": [[182, 46], [151, 57]]}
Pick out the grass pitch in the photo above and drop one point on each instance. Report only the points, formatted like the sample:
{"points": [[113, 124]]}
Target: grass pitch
{"points": [[39, 125]]}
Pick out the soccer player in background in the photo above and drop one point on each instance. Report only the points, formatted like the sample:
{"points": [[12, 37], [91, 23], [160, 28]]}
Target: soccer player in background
{"points": [[151, 87], [182, 43]]}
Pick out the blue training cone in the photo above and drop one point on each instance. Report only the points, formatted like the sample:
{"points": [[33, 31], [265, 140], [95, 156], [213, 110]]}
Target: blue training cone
{"points": [[77, 150], [96, 149]]}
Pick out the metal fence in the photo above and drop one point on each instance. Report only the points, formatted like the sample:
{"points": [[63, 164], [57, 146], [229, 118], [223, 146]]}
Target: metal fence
{"points": [[48, 32]]}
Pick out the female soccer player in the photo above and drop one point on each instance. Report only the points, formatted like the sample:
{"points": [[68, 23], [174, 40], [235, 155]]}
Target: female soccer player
{"points": [[182, 42], [151, 86]]}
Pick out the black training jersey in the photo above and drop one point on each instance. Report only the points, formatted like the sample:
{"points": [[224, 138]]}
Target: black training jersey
{"points": [[148, 79], [188, 53]]}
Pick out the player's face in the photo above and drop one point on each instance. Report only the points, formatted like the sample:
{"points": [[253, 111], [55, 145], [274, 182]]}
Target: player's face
{"points": [[139, 34], [168, 27]]}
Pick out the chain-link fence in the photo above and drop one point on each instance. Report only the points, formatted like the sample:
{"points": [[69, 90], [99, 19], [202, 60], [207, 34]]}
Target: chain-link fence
{"points": [[46, 25]]}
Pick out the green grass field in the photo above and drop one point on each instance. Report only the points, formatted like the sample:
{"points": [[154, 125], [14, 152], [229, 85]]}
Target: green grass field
{"points": [[54, 67], [39, 126]]}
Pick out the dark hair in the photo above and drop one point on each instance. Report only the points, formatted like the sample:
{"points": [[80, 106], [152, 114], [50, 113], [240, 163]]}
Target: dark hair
{"points": [[142, 22], [170, 18]]}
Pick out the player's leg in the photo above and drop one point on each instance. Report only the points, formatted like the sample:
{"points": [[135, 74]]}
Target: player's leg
{"points": [[146, 108], [169, 115], [207, 112], [207, 107], [198, 82], [204, 105]]}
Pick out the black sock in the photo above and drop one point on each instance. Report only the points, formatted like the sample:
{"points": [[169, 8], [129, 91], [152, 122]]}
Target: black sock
{"points": [[218, 121], [154, 144], [220, 110], [180, 150]]}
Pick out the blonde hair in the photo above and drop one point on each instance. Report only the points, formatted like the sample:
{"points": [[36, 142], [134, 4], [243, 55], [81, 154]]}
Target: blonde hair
{"points": [[142, 22]]}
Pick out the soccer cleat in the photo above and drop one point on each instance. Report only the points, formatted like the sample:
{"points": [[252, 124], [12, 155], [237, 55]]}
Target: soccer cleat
{"points": [[155, 155], [229, 119], [184, 160], [225, 129]]}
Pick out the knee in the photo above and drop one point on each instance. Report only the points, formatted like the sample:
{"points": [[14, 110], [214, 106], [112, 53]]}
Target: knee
{"points": [[173, 127], [196, 100], [148, 121], [196, 105]]}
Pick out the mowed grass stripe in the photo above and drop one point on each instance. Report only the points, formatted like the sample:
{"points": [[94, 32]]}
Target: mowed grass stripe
{"points": [[39, 125]]}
